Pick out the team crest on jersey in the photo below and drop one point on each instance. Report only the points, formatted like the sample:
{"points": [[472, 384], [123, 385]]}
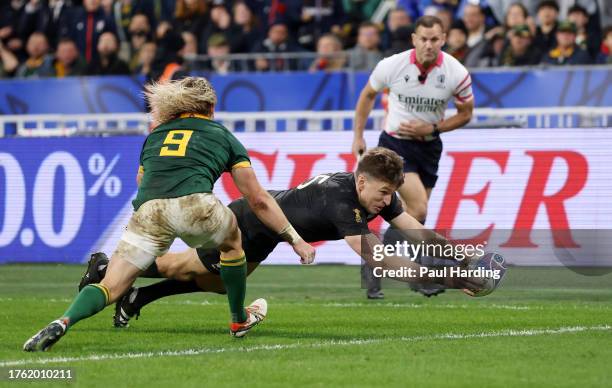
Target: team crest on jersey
{"points": [[406, 78], [440, 82], [357, 216]]}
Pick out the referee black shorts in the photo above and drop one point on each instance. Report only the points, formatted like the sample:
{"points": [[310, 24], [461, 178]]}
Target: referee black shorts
{"points": [[421, 157]]}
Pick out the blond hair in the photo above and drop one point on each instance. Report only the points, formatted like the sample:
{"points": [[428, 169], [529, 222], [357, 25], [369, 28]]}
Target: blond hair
{"points": [[168, 100]]}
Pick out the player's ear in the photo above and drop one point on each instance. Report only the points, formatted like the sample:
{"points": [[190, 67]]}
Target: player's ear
{"points": [[361, 181], [414, 38]]}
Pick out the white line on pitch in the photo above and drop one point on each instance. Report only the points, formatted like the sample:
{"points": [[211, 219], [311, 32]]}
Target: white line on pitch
{"points": [[370, 305], [433, 305], [343, 305], [496, 306], [298, 345]]}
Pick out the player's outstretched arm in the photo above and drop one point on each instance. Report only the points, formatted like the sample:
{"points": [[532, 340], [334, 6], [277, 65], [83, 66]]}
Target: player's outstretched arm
{"points": [[268, 211], [415, 232], [362, 111], [365, 245]]}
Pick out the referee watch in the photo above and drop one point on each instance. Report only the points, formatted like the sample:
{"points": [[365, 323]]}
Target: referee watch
{"points": [[436, 130]]}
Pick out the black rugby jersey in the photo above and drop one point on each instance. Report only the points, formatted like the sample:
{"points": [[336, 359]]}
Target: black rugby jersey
{"points": [[322, 208]]}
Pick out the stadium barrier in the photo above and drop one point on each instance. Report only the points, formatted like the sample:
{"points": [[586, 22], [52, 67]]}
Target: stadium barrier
{"points": [[304, 91], [63, 198], [290, 121], [283, 62]]}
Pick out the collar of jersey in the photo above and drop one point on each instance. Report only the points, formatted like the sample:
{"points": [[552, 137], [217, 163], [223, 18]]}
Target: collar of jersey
{"points": [[413, 60], [191, 115]]}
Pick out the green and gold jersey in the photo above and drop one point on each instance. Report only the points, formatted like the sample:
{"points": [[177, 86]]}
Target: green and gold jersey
{"points": [[186, 156]]}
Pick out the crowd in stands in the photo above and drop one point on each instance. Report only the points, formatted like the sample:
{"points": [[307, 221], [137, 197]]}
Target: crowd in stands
{"points": [[158, 38]]}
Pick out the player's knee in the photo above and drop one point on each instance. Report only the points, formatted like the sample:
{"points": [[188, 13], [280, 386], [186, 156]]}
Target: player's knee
{"points": [[185, 276], [233, 240], [163, 267], [174, 270]]}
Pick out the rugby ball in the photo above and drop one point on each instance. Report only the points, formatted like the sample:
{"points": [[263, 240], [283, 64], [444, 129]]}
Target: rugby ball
{"points": [[494, 267]]}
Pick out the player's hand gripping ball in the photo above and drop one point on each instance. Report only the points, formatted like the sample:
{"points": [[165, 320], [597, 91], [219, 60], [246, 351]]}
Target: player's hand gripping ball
{"points": [[489, 261]]}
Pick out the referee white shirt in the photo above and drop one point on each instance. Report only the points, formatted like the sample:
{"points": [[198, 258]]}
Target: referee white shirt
{"points": [[416, 93]]}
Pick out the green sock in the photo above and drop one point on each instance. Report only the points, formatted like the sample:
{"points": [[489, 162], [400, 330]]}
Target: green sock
{"points": [[91, 300], [233, 274]]}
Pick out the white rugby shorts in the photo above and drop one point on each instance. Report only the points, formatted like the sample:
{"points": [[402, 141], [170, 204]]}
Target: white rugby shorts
{"points": [[200, 220]]}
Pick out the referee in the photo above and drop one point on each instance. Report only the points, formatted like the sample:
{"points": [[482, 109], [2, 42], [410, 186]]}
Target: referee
{"points": [[421, 82]]}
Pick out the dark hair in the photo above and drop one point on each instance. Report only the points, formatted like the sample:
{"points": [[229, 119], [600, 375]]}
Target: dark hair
{"points": [[66, 40], [577, 8], [139, 13], [278, 22], [400, 9], [254, 21], [382, 164], [181, 11], [368, 24], [458, 25], [548, 3], [522, 8], [428, 21], [38, 32]]}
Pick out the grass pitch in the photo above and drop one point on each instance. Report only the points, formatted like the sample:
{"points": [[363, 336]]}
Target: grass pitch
{"points": [[543, 328]]}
